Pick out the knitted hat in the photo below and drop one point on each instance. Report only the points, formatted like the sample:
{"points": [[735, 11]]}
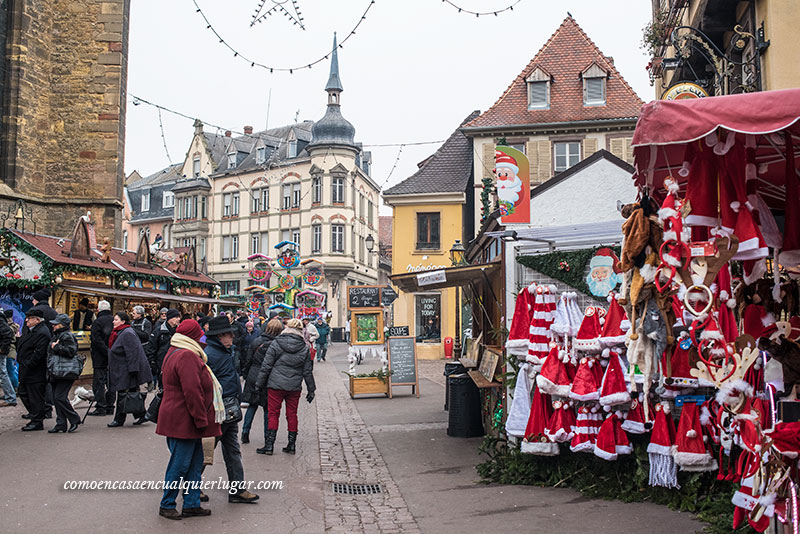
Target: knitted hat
{"points": [[663, 471], [614, 388], [588, 337], [41, 295], [554, 378], [635, 422], [587, 425], [616, 325], [539, 336], [190, 328], [561, 426], [517, 342], [536, 441], [172, 313], [690, 449], [586, 384]]}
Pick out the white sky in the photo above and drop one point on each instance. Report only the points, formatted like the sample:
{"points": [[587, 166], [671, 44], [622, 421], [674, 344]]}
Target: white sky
{"points": [[412, 72]]}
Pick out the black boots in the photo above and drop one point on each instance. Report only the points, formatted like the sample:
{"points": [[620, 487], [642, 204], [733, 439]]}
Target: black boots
{"points": [[289, 448], [269, 443], [246, 437]]}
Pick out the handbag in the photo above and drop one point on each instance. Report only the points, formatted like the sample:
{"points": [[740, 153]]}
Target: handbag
{"points": [[65, 368], [233, 410], [155, 405], [131, 402]]}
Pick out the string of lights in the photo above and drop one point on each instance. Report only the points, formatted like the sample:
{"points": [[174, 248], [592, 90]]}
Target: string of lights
{"points": [[396, 160], [482, 13], [258, 15], [296, 18], [163, 137], [254, 63]]}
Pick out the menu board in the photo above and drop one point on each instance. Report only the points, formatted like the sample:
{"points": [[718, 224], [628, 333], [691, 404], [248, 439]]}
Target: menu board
{"points": [[403, 361], [364, 296]]}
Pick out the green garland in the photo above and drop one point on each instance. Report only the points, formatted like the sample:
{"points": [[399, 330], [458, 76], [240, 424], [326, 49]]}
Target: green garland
{"points": [[626, 479], [568, 267]]}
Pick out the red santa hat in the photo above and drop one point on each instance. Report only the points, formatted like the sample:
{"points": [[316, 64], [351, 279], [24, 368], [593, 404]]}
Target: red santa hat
{"points": [[616, 324], [790, 254], [713, 340], [503, 160], [786, 438], [539, 335], [587, 425], [536, 441], [701, 189], [554, 378], [635, 421], [614, 388], [758, 322], [517, 343], [611, 439], [586, 384], [588, 336], [669, 208], [663, 471], [679, 377], [561, 427], [604, 257], [691, 453]]}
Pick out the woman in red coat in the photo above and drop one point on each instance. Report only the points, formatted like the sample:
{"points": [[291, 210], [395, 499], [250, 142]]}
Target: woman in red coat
{"points": [[191, 409]]}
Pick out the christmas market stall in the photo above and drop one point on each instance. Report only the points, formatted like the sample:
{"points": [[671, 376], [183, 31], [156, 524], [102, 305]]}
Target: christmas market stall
{"points": [[681, 386]]}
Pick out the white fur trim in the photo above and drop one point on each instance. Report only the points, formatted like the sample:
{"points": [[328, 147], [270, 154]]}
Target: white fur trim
{"points": [[541, 448], [559, 436], [514, 343], [661, 449], [634, 427], [547, 386], [600, 453], [624, 449], [736, 206], [666, 213], [611, 341], [587, 345], [670, 235], [743, 500], [712, 334], [584, 446], [691, 458], [615, 398], [588, 397], [701, 467], [701, 220]]}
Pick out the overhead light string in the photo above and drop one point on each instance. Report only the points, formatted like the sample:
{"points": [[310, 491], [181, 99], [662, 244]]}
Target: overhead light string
{"points": [[481, 13], [163, 137], [291, 70]]}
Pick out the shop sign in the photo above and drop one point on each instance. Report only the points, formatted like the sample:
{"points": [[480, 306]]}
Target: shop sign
{"points": [[85, 277], [684, 91], [512, 181], [412, 269], [435, 277]]}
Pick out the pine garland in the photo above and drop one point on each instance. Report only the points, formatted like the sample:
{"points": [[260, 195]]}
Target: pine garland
{"points": [[568, 267]]}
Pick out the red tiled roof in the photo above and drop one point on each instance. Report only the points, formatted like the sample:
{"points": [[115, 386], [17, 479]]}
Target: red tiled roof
{"points": [[385, 230], [567, 53]]}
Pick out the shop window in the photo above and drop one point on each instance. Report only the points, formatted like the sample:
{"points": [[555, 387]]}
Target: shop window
{"points": [[428, 231], [567, 154], [428, 317]]}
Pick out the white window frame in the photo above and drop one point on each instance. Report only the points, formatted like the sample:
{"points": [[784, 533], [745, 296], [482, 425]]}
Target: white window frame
{"points": [[595, 102], [296, 195], [124, 240], [168, 200], [296, 235], [255, 205], [226, 204], [316, 189], [145, 205], [226, 248], [265, 198], [572, 151], [370, 216], [539, 104], [203, 212], [316, 238], [337, 190], [234, 248], [235, 206], [264, 243], [255, 243], [196, 167], [261, 155], [291, 151], [231, 160], [287, 196], [337, 238]]}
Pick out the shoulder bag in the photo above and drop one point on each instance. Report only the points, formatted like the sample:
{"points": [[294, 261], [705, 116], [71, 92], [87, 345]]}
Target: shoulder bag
{"points": [[233, 409], [64, 368]]}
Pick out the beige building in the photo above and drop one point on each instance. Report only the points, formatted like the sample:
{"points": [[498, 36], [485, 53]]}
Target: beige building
{"points": [[307, 182], [722, 47]]}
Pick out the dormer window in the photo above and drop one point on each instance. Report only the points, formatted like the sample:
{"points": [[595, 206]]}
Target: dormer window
{"points": [[594, 86], [231, 160], [145, 201], [292, 152], [196, 167], [538, 89], [261, 155]]}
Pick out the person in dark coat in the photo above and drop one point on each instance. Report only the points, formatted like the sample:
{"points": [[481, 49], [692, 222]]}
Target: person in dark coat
{"points": [[63, 344], [82, 317], [239, 334], [142, 326], [219, 351], [162, 316], [250, 369], [286, 365], [100, 333], [251, 333], [127, 366], [41, 299], [7, 340], [190, 410], [32, 360], [323, 329], [160, 341]]}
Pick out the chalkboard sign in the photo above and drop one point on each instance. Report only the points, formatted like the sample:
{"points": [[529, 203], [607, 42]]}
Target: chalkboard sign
{"points": [[388, 295], [395, 331], [364, 296], [403, 362]]}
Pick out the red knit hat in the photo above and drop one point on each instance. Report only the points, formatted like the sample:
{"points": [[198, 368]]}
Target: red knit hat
{"points": [[561, 427], [588, 338], [616, 325], [690, 452], [554, 378], [536, 441], [614, 388], [586, 384], [190, 328]]}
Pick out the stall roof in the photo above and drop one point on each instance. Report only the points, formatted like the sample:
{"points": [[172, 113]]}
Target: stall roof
{"points": [[201, 300], [570, 237], [132, 294], [453, 277]]}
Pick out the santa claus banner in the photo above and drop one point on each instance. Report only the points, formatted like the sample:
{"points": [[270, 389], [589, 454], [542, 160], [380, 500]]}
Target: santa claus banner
{"points": [[512, 172]]}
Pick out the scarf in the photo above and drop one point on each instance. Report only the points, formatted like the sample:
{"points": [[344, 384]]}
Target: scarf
{"points": [[114, 333], [185, 342]]}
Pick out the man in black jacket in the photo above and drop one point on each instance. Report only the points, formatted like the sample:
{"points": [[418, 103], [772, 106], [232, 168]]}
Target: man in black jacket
{"points": [[32, 359], [41, 301], [82, 317], [142, 326], [158, 346], [7, 338], [101, 331]]}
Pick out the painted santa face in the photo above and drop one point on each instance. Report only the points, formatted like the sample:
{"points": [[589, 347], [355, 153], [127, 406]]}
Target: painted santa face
{"points": [[601, 273], [508, 185]]}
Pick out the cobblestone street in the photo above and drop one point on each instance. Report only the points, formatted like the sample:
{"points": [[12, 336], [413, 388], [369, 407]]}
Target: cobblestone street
{"points": [[428, 481]]}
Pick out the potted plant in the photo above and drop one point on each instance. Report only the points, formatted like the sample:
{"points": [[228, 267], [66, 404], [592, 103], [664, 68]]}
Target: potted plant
{"points": [[369, 383]]}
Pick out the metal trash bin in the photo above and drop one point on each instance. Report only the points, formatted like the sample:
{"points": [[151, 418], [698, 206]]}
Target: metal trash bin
{"points": [[464, 402], [337, 334], [450, 369]]}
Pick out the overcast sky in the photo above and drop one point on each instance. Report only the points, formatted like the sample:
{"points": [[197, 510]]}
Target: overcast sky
{"points": [[411, 73]]}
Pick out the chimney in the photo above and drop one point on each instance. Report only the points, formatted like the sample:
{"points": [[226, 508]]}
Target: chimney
{"points": [[248, 130], [227, 133]]}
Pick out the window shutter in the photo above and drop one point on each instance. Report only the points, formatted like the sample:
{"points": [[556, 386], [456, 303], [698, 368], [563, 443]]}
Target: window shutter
{"points": [[595, 91], [628, 150], [589, 146], [488, 160], [545, 157], [538, 95], [533, 159], [617, 145]]}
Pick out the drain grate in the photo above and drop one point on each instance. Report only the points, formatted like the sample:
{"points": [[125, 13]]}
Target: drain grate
{"points": [[356, 489]]}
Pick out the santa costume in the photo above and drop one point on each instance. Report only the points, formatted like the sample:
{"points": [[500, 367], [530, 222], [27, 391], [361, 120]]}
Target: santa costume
{"points": [[588, 337], [519, 332], [536, 441], [520, 409], [539, 339]]}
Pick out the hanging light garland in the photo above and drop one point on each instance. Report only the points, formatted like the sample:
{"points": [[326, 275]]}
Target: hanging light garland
{"points": [[482, 13], [297, 18], [291, 70]]}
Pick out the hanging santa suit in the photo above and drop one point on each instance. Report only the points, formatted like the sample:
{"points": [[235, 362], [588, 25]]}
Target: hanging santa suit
{"points": [[536, 440], [701, 188], [790, 254], [520, 409], [587, 425], [539, 335], [519, 332]]}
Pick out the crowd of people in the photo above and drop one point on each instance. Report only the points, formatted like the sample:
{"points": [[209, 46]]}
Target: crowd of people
{"points": [[197, 364]]}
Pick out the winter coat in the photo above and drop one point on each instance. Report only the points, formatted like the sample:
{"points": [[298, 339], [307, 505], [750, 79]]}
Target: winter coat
{"points": [[101, 331], [143, 328], [239, 333], [7, 338], [248, 341], [220, 360], [47, 311], [127, 364], [66, 345], [32, 354], [310, 334], [87, 317], [251, 365], [287, 363], [187, 406], [323, 330], [159, 344]]}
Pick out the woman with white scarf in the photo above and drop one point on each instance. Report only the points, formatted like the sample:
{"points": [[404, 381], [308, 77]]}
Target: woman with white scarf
{"points": [[191, 409]]}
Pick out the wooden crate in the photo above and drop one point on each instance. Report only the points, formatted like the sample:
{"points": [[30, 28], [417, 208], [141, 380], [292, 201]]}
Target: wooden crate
{"points": [[368, 385]]}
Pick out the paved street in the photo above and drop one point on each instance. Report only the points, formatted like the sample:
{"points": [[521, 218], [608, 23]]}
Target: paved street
{"points": [[428, 479]]}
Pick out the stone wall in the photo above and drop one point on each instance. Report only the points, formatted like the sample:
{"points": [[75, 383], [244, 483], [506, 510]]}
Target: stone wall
{"points": [[64, 131]]}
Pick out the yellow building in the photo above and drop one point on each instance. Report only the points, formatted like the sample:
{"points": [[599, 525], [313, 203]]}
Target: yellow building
{"points": [[431, 211], [722, 47]]}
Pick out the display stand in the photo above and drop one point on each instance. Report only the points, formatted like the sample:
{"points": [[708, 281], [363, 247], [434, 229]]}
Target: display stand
{"points": [[402, 356]]}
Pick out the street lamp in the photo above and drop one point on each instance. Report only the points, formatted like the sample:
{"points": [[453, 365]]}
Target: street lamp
{"points": [[457, 253], [370, 242], [457, 259]]}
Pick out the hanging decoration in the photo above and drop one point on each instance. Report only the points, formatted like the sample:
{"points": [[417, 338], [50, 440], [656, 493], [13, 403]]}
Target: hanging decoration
{"points": [[277, 7], [287, 281], [313, 272], [482, 13]]}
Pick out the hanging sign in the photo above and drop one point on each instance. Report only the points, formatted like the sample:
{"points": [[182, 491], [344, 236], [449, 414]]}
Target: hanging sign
{"points": [[684, 91], [433, 277], [388, 295], [513, 183]]}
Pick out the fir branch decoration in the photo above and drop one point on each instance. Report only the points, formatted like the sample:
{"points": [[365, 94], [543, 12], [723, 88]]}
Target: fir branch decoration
{"points": [[377, 373], [551, 265]]}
